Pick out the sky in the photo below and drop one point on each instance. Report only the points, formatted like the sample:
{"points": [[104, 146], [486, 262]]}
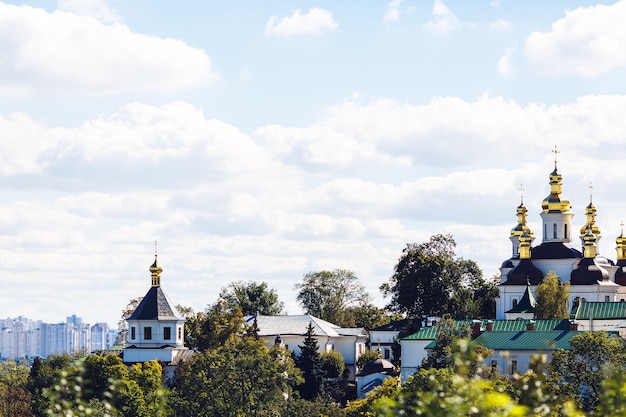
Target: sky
{"points": [[264, 140]]}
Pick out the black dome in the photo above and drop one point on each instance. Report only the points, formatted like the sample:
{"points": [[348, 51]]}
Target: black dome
{"points": [[620, 274], [588, 272], [554, 250], [377, 366], [525, 272]]}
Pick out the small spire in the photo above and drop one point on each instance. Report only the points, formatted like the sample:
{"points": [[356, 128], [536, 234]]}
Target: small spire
{"points": [[155, 269], [521, 192], [555, 151]]}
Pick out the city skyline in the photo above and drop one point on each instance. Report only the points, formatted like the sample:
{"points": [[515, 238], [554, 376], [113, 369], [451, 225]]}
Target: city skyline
{"points": [[262, 141]]}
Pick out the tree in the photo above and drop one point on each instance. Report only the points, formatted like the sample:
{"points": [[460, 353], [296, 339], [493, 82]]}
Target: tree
{"points": [[122, 325], [448, 333], [430, 279], [333, 363], [328, 294], [243, 377], [252, 298], [367, 316], [310, 363], [222, 322], [579, 372], [552, 298]]}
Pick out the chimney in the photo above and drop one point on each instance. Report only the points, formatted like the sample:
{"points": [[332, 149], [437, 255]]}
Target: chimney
{"points": [[573, 326], [476, 328], [489, 325], [530, 325]]}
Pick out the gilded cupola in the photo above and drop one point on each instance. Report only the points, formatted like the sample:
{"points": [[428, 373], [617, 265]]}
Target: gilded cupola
{"points": [[555, 202]]}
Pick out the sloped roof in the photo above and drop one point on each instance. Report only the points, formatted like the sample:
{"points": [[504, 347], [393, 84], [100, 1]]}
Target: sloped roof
{"points": [[430, 333], [526, 304], [540, 324], [554, 250], [395, 325], [297, 325], [526, 340], [600, 310], [155, 306]]}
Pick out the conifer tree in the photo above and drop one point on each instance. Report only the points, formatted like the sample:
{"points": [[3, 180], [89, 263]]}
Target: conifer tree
{"points": [[310, 363]]}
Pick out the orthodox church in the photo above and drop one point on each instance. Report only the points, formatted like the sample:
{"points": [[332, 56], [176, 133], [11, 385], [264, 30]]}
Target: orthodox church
{"points": [[592, 277], [156, 328]]}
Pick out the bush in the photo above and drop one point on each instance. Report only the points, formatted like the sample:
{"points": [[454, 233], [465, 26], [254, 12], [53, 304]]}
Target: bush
{"points": [[332, 363]]}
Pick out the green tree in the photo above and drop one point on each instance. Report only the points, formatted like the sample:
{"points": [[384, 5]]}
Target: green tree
{"points": [[367, 356], [552, 298], [368, 316], [193, 326], [122, 324], [241, 378], [449, 332], [222, 322], [333, 363], [310, 363], [579, 372], [14, 396], [43, 374], [328, 294], [430, 279], [252, 298]]}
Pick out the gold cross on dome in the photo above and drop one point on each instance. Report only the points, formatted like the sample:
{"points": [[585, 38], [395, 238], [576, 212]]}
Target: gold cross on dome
{"points": [[555, 151]]}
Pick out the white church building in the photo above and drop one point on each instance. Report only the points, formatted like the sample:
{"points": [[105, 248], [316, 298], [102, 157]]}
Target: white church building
{"points": [[592, 278], [156, 329]]}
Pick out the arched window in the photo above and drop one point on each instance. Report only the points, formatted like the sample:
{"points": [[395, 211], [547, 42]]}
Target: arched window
{"points": [[554, 230], [514, 302], [545, 231], [565, 231]]}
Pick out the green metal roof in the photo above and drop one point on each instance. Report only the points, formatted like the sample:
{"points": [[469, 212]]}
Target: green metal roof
{"points": [[600, 310], [430, 333], [526, 340]]}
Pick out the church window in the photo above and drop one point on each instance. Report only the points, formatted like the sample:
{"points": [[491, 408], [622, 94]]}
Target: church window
{"points": [[513, 367], [514, 302], [132, 332], [606, 298], [147, 333], [565, 231], [554, 230], [167, 333], [545, 231], [180, 332]]}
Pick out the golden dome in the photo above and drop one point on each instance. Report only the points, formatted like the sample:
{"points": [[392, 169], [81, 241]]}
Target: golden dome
{"points": [[555, 202], [155, 272], [621, 244]]}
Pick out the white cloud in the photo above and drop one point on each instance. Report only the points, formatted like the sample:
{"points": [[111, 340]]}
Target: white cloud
{"points": [[98, 9], [501, 25], [587, 41], [443, 19], [65, 52], [347, 191], [392, 11], [505, 68], [314, 22]]}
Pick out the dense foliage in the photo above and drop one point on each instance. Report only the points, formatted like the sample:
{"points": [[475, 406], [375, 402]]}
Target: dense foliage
{"points": [[431, 280], [252, 298], [329, 295], [552, 298]]}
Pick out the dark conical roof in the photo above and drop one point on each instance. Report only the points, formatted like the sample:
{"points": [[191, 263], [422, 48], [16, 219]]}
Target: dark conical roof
{"points": [[526, 304], [588, 272], [155, 306], [523, 274]]}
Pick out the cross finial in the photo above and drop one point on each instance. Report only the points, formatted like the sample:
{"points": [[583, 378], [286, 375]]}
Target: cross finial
{"points": [[590, 191], [155, 248], [555, 151], [622, 226], [521, 192]]}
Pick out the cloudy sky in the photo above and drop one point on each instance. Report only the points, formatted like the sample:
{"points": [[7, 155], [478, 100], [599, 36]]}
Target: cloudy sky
{"points": [[263, 140]]}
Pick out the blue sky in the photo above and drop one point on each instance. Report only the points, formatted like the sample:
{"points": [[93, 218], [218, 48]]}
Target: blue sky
{"points": [[263, 140]]}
